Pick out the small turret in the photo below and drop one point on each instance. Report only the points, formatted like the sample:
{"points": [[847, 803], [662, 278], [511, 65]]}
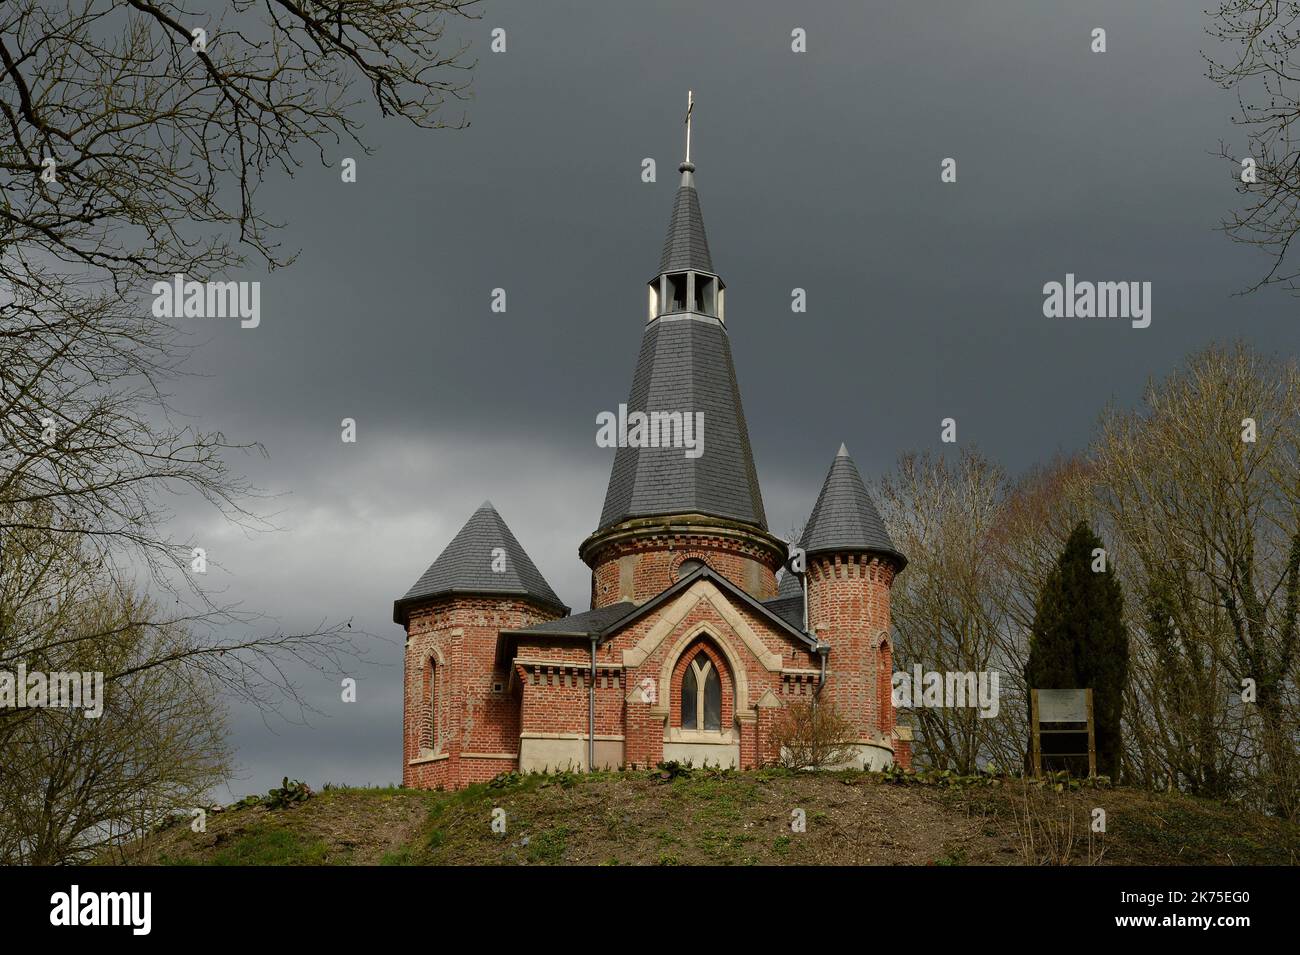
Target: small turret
{"points": [[851, 567], [483, 582]]}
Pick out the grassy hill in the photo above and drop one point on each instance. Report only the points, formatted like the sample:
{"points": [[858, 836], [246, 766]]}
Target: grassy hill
{"points": [[732, 818]]}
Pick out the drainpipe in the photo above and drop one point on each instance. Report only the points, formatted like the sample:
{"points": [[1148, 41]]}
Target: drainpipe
{"points": [[591, 712], [803, 585], [822, 650]]}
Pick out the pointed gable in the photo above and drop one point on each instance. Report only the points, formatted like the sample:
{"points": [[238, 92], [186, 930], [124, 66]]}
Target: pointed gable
{"points": [[466, 566], [844, 519]]}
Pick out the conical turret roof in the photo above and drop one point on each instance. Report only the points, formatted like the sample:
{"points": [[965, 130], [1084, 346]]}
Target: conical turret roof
{"points": [[685, 366], [844, 519], [483, 558]]}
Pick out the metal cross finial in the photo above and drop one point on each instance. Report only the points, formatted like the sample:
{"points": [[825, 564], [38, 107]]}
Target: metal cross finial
{"points": [[690, 106]]}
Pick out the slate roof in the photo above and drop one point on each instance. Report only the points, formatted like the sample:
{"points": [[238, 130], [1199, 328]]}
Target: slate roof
{"points": [[788, 585], [627, 614], [589, 622], [686, 246], [789, 609], [844, 519], [685, 365], [465, 566]]}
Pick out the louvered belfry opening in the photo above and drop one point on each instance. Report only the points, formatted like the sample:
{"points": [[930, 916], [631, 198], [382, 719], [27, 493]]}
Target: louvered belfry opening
{"points": [[686, 282]]}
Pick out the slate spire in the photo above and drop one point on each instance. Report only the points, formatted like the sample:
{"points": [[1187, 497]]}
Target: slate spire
{"points": [[685, 368], [686, 246], [484, 558], [844, 519]]}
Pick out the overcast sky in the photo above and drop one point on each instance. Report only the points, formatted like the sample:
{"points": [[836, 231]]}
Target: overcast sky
{"points": [[817, 170]]}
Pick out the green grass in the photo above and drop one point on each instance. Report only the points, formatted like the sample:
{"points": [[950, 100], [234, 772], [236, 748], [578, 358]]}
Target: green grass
{"points": [[547, 848], [274, 845]]}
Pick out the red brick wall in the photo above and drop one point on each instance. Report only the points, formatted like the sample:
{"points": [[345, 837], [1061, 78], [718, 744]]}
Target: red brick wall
{"points": [[655, 561], [762, 751], [471, 716], [647, 746], [553, 678], [848, 607], [903, 754], [885, 686], [545, 689], [644, 742]]}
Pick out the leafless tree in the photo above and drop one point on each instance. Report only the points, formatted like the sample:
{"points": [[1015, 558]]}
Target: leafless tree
{"points": [[76, 780], [1197, 493], [1257, 57], [134, 137], [1200, 489], [949, 608], [158, 148]]}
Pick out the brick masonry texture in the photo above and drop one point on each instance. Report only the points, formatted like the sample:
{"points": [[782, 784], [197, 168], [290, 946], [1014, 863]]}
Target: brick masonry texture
{"points": [[645, 567], [466, 709]]}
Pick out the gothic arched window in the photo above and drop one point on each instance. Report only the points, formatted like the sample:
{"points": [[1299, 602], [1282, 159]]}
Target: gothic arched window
{"points": [[701, 695], [431, 695]]}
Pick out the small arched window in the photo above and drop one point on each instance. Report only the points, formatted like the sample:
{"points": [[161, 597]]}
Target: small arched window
{"points": [[702, 695], [431, 694], [884, 687], [689, 566]]}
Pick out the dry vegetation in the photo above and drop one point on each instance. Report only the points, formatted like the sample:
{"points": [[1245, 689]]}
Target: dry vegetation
{"points": [[711, 817]]}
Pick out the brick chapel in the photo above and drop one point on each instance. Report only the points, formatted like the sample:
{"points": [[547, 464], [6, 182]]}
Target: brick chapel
{"points": [[693, 644]]}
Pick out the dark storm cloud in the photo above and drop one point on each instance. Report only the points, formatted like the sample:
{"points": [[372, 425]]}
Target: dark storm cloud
{"points": [[816, 170]]}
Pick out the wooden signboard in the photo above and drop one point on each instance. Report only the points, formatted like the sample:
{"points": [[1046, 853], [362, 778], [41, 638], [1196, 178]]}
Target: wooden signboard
{"points": [[1062, 728]]}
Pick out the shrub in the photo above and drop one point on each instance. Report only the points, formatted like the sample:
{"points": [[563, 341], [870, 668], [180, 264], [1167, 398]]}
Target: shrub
{"points": [[288, 793], [812, 736]]}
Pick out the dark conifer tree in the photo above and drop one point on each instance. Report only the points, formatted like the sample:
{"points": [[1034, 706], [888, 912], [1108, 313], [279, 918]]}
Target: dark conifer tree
{"points": [[1079, 638]]}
